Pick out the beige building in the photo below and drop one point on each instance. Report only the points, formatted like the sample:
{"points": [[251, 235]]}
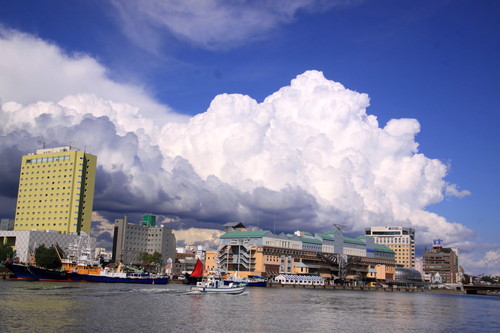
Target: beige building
{"points": [[400, 239], [56, 191]]}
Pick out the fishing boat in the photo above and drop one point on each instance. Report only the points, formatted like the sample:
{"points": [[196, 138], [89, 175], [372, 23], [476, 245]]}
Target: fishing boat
{"points": [[197, 273], [214, 285], [119, 277], [21, 271], [44, 274], [35, 273]]}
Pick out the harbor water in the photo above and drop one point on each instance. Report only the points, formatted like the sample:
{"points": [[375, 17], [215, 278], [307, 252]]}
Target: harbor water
{"points": [[96, 307]]}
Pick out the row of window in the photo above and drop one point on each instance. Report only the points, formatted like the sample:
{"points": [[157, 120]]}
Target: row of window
{"points": [[48, 159], [392, 240]]}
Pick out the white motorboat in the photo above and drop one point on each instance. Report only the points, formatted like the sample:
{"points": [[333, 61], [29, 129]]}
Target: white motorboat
{"points": [[214, 285]]}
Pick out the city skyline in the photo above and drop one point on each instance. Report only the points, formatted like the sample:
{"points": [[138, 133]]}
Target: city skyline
{"points": [[283, 116]]}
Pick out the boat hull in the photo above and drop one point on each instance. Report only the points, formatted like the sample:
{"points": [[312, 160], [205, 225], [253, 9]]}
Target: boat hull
{"points": [[115, 279], [21, 271], [192, 280], [43, 274], [209, 290]]}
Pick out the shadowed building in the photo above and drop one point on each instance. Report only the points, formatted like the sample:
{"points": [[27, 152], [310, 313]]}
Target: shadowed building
{"points": [[130, 240]]}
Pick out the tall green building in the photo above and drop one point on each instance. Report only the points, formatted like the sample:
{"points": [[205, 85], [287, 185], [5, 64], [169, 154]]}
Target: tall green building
{"points": [[56, 190]]}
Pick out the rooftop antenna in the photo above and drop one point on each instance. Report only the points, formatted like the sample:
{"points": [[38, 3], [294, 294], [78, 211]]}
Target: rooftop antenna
{"points": [[275, 223], [339, 227], [44, 145]]}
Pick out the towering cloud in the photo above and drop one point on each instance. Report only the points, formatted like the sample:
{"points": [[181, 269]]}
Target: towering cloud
{"points": [[306, 157]]}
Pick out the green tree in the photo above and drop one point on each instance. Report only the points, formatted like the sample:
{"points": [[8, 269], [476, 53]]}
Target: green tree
{"points": [[156, 258], [148, 259], [6, 252], [48, 257]]}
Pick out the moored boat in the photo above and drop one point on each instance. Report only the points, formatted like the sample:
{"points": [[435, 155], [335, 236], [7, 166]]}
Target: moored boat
{"points": [[250, 281], [43, 274], [21, 271], [118, 277]]}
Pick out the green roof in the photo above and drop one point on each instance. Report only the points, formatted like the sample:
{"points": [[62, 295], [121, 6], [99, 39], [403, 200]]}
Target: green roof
{"points": [[330, 232], [353, 241], [245, 234], [362, 237], [383, 248], [326, 236], [311, 240]]}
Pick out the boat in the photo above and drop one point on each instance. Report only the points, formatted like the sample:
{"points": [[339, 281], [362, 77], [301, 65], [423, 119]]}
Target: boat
{"points": [[35, 273], [118, 277], [196, 275], [250, 281], [215, 285], [122, 274], [44, 274], [21, 271]]}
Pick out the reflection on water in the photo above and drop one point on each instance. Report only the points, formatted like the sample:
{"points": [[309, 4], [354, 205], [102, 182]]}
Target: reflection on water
{"points": [[86, 307]]}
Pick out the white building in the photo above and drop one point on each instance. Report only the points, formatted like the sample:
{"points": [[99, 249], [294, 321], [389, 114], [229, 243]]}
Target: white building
{"points": [[26, 241]]}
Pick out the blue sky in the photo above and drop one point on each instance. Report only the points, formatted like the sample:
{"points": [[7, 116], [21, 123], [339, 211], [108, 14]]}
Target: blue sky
{"points": [[434, 61]]}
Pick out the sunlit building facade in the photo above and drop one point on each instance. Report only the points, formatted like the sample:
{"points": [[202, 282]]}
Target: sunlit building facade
{"points": [[441, 261], [261, 252], [56, 191], [400, 239]]}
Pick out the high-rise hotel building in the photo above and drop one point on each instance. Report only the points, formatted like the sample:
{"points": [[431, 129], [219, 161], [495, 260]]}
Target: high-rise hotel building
{"points": [[56, 191], [400, 239]]}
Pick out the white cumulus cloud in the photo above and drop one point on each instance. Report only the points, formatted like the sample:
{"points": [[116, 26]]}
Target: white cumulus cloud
{"points": [[308, 156]]}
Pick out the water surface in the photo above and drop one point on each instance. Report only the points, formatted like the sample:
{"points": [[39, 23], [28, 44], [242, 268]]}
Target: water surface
{"points": [[96, 307]]}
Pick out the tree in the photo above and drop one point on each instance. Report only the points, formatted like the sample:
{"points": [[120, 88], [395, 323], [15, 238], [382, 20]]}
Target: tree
{"points": [[148, 259], [6, 252], [156, 258], [48, 257]]}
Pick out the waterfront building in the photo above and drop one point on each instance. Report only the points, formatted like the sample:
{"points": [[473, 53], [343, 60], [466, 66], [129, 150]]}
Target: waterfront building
{"points": [[441, 263], [24, 242], [130, 240], [211, 262], [400, 239], [186, 257], [407, 277], [56, 191], [260, 252], [6, 224]]}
